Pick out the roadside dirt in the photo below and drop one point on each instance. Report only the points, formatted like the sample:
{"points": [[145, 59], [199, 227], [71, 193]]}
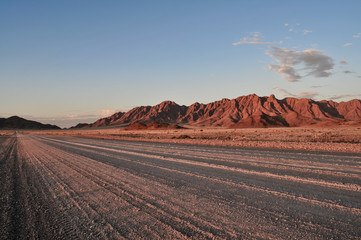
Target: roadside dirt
{"points": [[341, 138]]}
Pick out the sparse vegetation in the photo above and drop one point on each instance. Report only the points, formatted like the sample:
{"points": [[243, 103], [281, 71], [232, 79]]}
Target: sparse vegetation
{"points": [[340, 138]]}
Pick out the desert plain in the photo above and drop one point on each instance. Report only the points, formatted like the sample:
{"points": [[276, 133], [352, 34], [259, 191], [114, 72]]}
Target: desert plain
{"points": [[180, 120], [187, 183], [346, 138]]}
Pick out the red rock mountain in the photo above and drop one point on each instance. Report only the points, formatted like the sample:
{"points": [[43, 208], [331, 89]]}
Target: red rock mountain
{"points": [[245, 111]]}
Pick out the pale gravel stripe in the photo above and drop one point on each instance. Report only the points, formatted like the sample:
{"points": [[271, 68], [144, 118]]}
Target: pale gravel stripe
{"points": [[250, 188], [341, 160], [60, 157], [277, 193], [350, 187], [294, 208]]}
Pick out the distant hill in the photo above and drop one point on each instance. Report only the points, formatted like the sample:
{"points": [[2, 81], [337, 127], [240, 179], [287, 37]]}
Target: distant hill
{"points": [[16, 122], [81, 125], [241, 112]]}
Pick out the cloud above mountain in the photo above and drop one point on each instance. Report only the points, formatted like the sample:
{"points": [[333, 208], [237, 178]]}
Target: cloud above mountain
{"points": [[286, 93], [339, 96], [309, 62]]}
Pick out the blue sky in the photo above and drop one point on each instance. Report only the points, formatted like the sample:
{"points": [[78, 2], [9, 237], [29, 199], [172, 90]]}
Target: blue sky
{"points": [[66, 62]]}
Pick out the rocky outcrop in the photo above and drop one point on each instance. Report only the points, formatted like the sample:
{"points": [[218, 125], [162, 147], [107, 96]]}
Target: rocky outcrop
{"points": [[245, 111]]}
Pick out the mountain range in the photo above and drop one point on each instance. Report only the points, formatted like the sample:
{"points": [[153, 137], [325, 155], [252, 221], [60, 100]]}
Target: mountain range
{"points": [[244, 111], [16, 122]]}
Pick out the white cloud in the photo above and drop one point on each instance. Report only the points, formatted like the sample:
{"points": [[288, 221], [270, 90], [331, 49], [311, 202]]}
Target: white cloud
{"points": [[347, 44], [307, 95], [343, 62], [253, 39], [295, 28], [313, 62], [286, 93], [283, 92], [335, 97], [357, 35], [288, 72]]}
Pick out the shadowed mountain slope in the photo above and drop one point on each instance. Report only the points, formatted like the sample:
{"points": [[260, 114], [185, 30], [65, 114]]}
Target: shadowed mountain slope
{"points": [[16, 122]]}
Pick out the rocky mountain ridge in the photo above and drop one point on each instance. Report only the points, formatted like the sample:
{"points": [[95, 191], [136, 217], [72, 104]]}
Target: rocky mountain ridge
{"points": [[244, 111]]}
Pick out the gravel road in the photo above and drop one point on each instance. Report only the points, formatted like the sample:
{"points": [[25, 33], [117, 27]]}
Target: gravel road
{"points": [[79, 188]]}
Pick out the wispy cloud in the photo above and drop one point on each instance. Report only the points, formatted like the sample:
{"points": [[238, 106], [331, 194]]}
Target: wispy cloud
{"points": [[68, 120], [290, 27], [347, 44], [313, 62], [336, 97], [283, 92], [318, 86], [343, 62], [347, 72], [288, 72], [306, 95], [295, 28], [254, 38], [286, 93], [358, 35]]}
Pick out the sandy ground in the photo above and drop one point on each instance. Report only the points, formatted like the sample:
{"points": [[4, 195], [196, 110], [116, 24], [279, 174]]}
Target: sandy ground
{"points": [[59, 187], [339, 138], [6, 132]]}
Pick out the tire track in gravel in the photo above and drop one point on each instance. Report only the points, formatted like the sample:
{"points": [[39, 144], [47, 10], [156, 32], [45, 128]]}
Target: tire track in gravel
{"points": [[60, 164], [261, 162], [104, 189], [64, 197], [351, 188], [302, 199], [139, 201], [22, 214], [310, 201]]}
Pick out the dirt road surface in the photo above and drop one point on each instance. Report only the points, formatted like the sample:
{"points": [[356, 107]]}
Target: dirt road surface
{"points": [[78, 188]]}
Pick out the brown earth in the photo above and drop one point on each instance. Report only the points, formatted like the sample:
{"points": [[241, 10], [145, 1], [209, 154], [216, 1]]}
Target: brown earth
{"points": [[344, 138], [151, 125]]}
